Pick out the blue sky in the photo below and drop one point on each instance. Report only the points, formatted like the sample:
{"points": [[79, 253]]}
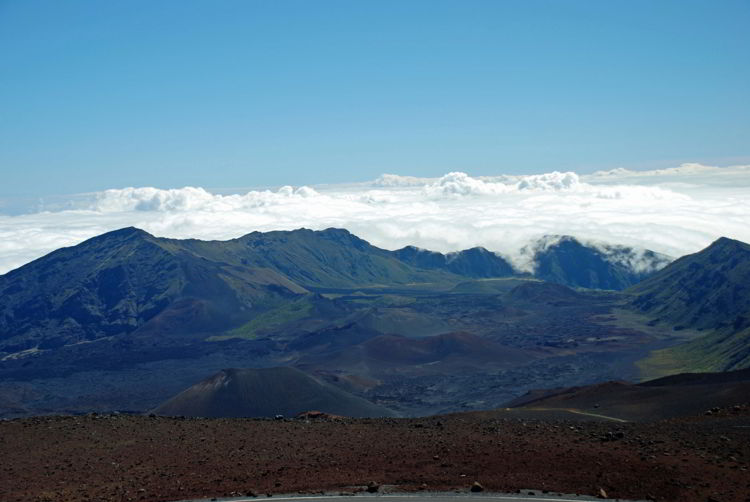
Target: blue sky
{"points": [[97, 95]]}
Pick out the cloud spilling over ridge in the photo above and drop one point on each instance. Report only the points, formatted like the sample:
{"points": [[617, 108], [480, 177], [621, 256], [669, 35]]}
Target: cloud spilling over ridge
{"points": [[637, 259], [673, 211]]}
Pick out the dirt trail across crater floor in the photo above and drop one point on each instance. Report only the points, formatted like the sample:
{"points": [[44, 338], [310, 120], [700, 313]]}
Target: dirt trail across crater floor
{"points": [[124, 458]]}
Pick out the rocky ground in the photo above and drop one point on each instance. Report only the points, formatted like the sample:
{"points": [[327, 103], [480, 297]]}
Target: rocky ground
{"points": [[123, 458]]}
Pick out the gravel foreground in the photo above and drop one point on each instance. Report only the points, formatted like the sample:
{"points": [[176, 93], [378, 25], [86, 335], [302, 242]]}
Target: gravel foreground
{"points": [[134, 458]]}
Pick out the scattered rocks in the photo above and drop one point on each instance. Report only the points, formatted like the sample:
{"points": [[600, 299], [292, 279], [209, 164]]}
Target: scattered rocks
{"points": [[476, 487], [613, 436], [178, 459]]}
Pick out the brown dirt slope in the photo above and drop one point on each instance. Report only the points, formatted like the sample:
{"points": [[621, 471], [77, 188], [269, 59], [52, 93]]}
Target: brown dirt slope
{"points": [[124, 458], [669, 397]]}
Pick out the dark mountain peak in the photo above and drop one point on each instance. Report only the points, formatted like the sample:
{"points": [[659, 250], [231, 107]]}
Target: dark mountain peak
{"points": [[479, 262], [123, 233], [563, 242], [275, 234], [122, 236], [474, 262], [561, 238], [414, 251], [722, 241], [476, 250], [569, 241], [567, 260], [552, 239], [336, 232], [108, 241], [128, 280], [723, 254], [421, 258], [343, 236], [725, 243], [130, 231], [305, 235], [706, 290], [329, 233]]}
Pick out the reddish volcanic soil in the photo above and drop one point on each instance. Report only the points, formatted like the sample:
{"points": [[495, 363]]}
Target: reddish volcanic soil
{"points": [[118, 457]]}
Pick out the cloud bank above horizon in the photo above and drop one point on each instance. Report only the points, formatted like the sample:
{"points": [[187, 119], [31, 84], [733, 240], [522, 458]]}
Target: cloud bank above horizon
{"points": [[673, 211]]}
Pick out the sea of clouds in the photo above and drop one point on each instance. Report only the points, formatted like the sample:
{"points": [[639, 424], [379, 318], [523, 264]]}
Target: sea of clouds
{"points": [[672, 211]]}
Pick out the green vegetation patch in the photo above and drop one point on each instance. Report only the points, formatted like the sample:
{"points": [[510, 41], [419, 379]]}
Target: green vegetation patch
{"points": [[285, 313], [387, 301], [713, 352]]}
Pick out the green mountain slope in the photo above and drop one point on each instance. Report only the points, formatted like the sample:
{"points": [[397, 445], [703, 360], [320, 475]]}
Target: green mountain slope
{"points": [[708, 290], [125, 281], [130, 281], [331, 258], [717, 351]]}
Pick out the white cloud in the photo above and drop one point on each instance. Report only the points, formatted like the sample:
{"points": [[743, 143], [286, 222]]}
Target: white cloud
{"points": [[191, 199], [396, 180], [672, 211], [550, 181]]}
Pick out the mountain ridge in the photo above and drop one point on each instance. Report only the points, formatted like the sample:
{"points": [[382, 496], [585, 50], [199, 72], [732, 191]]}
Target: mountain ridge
{"points": [[710, 291], [128, 280], [417, 339], [476, 262]]}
